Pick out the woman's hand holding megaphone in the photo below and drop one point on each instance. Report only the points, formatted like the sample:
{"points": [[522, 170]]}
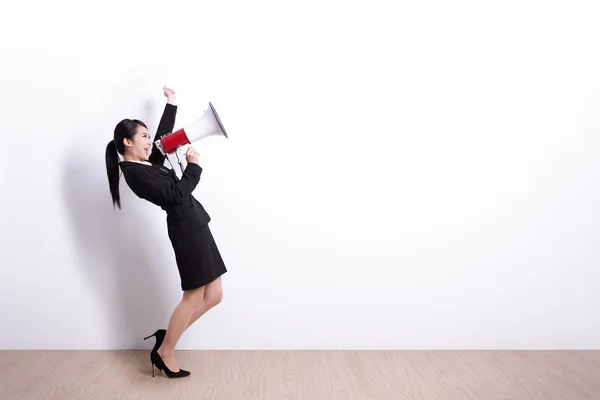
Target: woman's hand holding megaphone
{"points": [[191, 155]]}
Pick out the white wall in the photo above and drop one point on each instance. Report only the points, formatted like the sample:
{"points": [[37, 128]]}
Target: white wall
{"points": [[397, 175]]}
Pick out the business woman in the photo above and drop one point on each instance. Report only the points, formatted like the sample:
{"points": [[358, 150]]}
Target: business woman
{"points": [[197, 257]]}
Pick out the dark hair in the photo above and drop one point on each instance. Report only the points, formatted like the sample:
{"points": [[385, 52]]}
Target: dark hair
{"points": [[125, 129]]}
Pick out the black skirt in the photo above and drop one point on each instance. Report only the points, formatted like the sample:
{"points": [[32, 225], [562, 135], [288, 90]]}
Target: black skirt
{"points": [[198, 258]]}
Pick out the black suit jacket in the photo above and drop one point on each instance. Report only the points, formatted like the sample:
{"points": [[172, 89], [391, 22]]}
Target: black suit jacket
{"points": [[161, 186]]}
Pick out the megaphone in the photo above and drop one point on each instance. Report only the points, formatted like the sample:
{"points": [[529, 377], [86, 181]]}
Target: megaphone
{"points": [[207, 125]]}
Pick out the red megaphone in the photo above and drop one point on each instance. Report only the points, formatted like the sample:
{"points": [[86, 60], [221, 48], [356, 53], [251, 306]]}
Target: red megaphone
{"points": [[208, 125]]}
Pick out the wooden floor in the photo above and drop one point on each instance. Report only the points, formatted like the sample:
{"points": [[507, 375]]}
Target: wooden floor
{"points": [[310, 375]]}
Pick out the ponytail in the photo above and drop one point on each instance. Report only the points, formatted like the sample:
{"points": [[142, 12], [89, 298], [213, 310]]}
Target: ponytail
{"points": [[112, 170], [126, 129]]}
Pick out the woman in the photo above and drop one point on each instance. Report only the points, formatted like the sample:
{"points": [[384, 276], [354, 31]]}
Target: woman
{"points": [[198, 259]]}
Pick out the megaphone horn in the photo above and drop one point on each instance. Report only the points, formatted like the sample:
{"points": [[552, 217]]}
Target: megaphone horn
{"points": [[208, 125]]}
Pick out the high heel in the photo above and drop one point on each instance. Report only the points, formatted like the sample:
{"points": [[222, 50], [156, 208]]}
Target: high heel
{"points": [[160, 337], [158, 362]]}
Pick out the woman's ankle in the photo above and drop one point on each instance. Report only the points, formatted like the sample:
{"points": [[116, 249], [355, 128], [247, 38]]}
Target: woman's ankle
{"points": [[165, 352]]}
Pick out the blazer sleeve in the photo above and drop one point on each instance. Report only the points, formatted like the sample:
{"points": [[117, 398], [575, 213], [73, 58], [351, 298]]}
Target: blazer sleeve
{"points": [[166, 124], [165, 191]]}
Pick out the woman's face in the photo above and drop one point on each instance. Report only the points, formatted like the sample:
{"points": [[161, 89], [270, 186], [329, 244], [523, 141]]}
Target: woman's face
{"points": [[141, 144]]}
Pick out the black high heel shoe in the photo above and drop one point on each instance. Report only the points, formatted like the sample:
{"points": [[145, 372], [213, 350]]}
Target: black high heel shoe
{"points": [[159, 363], [160, 337]]}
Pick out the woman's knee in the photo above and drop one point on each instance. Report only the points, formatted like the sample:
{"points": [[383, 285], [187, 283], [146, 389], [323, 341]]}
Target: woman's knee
{"points": [[213, 294], [213, 297], [194, 297]]}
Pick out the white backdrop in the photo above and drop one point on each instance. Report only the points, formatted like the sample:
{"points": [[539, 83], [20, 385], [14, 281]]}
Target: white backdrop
{"points": [[397, 175]]}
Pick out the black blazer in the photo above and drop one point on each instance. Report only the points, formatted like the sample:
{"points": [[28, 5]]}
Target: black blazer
{"points": [[161, 186]]}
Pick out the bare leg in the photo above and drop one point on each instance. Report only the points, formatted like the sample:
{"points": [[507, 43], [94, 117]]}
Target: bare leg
{"points": [[178, 324], [213, 295]]}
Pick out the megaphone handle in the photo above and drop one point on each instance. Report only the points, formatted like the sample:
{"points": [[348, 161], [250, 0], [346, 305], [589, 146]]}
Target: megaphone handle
{"points": [[183, 148], [181, 166]]}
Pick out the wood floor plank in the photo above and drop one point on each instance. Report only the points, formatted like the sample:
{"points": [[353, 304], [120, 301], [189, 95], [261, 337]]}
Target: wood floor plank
{"points": [[298, 375]]}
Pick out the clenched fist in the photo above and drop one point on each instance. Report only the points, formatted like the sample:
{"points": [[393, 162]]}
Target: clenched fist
{"points": [[170, 95]]}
